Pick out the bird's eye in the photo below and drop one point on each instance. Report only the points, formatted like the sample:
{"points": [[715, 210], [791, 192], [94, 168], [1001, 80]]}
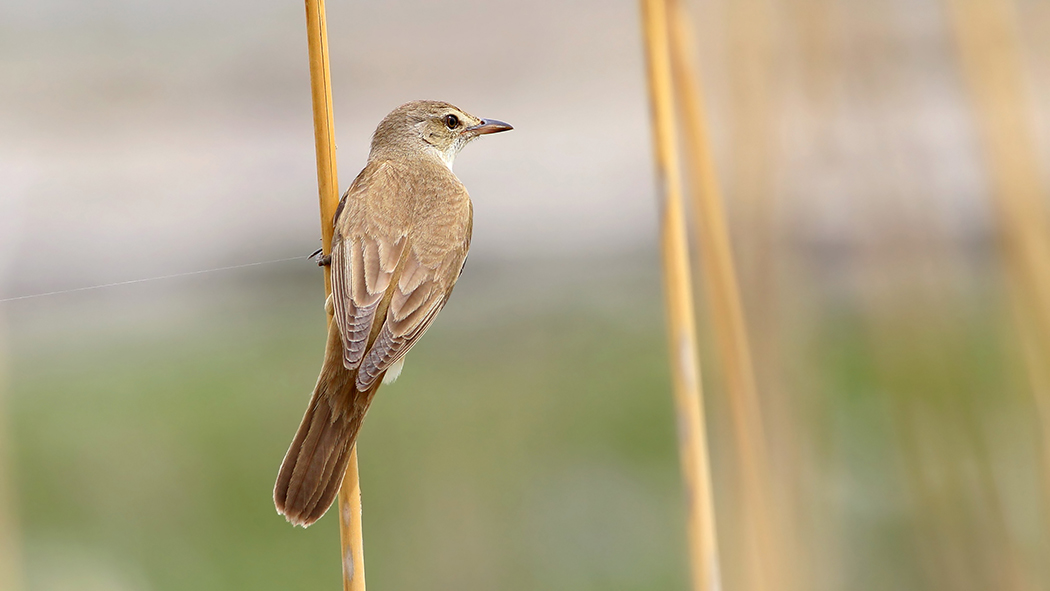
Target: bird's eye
{"points": [[451, 121]]}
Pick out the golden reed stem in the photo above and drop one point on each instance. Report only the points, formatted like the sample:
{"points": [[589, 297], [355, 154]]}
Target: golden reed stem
{"points": [[350, 536], [727, 313], [685, 362], [988, 40]]}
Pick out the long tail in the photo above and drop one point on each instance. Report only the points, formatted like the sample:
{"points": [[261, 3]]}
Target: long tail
{"points": [[313, 468]]}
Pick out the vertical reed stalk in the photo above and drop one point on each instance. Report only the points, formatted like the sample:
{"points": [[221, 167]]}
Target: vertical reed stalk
{"points": [[752, 175], [987, 36], [685, 363], [350, 536], [727, 314]]}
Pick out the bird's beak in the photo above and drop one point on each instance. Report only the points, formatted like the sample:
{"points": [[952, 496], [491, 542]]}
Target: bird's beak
{"points": [[489, 126]]}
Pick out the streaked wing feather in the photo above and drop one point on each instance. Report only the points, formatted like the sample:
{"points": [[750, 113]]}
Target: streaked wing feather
{"points": [[389, 349], [362, 268], [344, 310], [414, 303], [380, 320]]}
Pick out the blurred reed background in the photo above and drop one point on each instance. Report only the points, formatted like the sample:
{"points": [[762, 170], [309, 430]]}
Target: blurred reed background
{"points": [[884, 167]]}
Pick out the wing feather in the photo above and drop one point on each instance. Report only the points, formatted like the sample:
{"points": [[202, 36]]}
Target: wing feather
{"points": [[413, 305], [347, 315], [362, 270], [390, 274], [389, 349]]}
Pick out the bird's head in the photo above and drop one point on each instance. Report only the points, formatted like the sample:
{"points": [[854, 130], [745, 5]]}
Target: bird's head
{"points": [[431, 126]]}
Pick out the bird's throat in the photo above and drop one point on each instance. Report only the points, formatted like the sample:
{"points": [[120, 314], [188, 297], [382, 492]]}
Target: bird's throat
{"points": [[446, 157]]}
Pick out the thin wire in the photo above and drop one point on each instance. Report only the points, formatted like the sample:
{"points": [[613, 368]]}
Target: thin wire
{"points": [[158, 278]]}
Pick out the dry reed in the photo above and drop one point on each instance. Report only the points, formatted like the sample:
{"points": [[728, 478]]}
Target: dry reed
{"points": [[727, 313], [987, 37], [685, 364], [350, 536]]}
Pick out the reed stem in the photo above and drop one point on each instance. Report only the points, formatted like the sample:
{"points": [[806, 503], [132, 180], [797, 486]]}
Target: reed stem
{"points": [[987, 36], [727, 313], [685, 363], [350, 536]]}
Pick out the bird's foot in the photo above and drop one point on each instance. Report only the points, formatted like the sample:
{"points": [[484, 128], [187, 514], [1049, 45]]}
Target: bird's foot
{"points": [[322, 260]]}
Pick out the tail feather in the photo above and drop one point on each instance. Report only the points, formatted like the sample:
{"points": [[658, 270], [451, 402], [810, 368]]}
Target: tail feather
{"points": [[331, 490], [316, 460]]}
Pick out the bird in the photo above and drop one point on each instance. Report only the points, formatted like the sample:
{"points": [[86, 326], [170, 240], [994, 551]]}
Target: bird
{"points": [[400, 241]]}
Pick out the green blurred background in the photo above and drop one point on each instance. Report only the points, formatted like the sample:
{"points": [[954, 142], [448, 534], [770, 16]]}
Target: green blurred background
{"points": [[530, 442]]}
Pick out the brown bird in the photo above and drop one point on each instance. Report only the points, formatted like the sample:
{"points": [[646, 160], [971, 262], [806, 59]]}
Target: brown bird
{"points": [[402, 232]]}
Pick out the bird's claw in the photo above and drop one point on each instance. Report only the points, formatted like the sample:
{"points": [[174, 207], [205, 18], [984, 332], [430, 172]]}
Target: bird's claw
{"points": [[322, 260]]}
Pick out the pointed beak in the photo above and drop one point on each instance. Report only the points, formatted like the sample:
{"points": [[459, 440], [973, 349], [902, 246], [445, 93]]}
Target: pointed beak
{"points": [[489, 126]]}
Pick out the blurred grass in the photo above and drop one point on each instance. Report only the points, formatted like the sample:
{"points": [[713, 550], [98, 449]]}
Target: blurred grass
{"points": [[530, 442], [529, 449], [528, 445]]}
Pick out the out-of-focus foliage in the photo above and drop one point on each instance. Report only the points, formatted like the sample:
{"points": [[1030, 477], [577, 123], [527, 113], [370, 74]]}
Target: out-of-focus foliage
{"points": [[530, 442], [521, 450]]}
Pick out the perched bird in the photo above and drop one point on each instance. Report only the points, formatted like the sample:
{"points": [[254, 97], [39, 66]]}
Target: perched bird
{"points": [[402, 231]]}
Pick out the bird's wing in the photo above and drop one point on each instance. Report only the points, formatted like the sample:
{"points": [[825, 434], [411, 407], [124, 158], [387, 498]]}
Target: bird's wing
{"points": [[363, 259], [362, 270], [388, 286], [417, 297]]}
